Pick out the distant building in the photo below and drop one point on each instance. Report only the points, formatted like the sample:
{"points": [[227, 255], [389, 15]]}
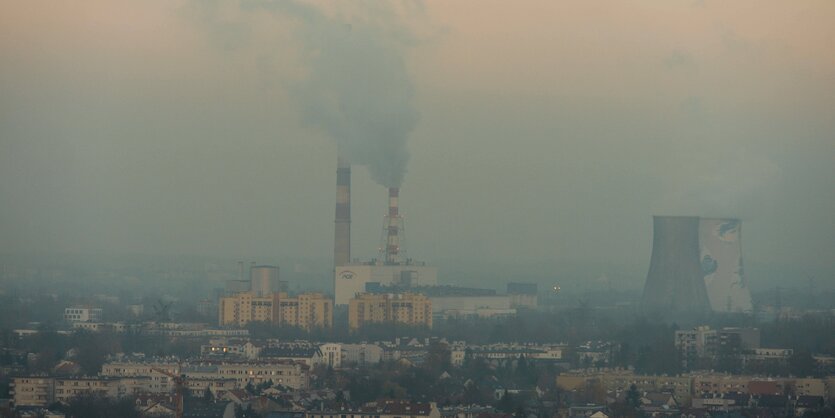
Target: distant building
{"points": [[308, 354], [523, 295], [739, 338], [82, 314], [402, 308], [351, 279], [698, 342], [306, 311], [702, 341], [482, 306], [245, 307], [361, 353], [332, 354], [264, 279], [503, 352]]}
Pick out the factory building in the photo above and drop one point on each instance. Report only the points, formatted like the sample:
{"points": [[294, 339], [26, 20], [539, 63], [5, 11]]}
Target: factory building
{"points": [[402, 308], [306, 311], [462, 306], [523, 295], [351, 275], [352, 279]]}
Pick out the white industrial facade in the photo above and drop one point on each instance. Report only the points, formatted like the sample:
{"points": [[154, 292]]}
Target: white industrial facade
{"points": [[351, 279]]}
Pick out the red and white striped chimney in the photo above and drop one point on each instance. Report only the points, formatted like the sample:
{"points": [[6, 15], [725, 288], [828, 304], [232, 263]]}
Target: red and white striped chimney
{"points": [[393, 228]]}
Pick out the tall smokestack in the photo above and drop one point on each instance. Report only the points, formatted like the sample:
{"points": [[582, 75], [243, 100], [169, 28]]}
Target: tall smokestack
{"points": [[342, 225], [675, 281], [393, 228]]}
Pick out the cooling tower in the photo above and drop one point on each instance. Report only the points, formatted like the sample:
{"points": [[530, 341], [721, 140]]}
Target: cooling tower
{"points": [[342, 225], [675, 282], [721, 260]]}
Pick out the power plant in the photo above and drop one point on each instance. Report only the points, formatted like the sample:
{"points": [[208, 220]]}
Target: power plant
{"points": [[352, 275], [696, 266]]}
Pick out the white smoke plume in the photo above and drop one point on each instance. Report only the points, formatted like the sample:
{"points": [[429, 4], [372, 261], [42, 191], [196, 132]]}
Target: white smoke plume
{"points": [[357, 87]]}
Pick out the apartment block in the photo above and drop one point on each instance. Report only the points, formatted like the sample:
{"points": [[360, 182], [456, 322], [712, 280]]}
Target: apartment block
{"points": [[401, 308]]}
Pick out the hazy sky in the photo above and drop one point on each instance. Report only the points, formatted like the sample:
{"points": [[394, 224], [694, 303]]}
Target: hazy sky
{"points": [[534, 130]]}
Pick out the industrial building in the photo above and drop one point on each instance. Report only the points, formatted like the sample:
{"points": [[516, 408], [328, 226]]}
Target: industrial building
{"points": [[352, 279], [471, 306], [351, 275], [523, 295], [402, 308], [696, 266]]}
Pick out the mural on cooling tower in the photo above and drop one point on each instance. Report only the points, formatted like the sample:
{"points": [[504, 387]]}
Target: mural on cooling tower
{"points": [[721, 257]]}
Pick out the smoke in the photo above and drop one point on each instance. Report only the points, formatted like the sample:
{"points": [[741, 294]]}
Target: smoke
{"points": [[357, 87]]}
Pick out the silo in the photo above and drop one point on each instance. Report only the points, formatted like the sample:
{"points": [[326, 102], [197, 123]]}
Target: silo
{"points": [[675, 281], [263, 279]]}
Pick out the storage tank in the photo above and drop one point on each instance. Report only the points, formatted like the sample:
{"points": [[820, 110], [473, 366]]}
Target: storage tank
{"points": [[263, 279]]}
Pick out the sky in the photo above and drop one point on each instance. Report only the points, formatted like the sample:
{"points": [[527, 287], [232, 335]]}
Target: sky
{"points": [[537, 131]]}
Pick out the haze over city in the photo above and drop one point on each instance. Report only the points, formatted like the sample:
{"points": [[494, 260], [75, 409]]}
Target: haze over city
{"points": [[434, 209], [544, 132]]}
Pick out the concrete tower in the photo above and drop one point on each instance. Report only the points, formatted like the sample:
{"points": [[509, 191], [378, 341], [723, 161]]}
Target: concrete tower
{"points": [[675, 281], [720, 242]]}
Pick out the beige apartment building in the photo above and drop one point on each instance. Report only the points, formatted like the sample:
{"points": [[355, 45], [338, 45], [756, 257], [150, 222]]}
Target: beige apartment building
{"points": [[32, 391], [245, 307], [403, 308], [306, 311], [292, 374], [44, 390]]}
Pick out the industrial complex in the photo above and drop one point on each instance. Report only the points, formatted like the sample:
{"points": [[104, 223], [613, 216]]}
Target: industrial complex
{"points": [[696, 266]]}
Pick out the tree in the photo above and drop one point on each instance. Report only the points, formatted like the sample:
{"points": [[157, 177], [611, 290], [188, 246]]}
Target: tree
{"points": [[633, 397], [802, 364], [93, 406], [208, 396]]}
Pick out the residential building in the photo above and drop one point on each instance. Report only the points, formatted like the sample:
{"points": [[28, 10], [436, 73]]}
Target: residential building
{"points": [[332, 354], [242, 308], [32, 390], [402, 308], [82, 314], [306, 311], [67, 388], [361, 353], [291, 374], [699, 342]]}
